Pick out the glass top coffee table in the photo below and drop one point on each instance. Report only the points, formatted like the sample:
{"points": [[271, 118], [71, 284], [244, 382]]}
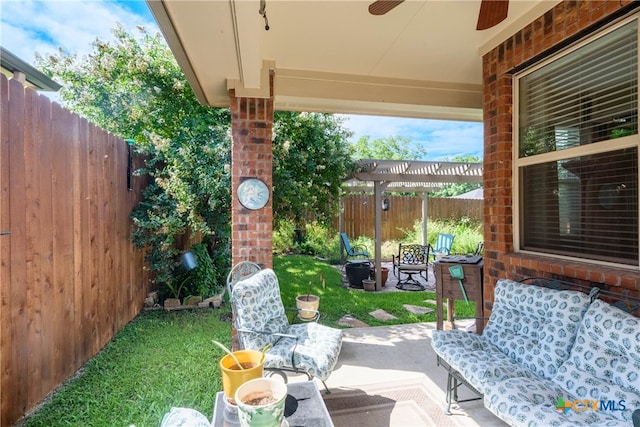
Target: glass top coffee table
{"points": [[304, 407]]}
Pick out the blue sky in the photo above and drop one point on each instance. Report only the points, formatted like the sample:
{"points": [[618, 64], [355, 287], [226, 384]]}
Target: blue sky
{"points": [[30, 26]]}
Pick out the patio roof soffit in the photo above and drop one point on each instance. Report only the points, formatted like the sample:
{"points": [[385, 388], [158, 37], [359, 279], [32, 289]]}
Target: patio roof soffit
{"points": [[300, 90], [325, 92], [421, 60]]}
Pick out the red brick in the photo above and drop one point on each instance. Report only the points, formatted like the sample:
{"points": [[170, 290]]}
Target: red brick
{"points": [[566, 19], [596, 276], [581, 273], [251, 154], [612, 279]]}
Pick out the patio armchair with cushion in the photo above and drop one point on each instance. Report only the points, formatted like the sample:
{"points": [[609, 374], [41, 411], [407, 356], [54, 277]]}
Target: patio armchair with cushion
{"points": [[260, 319], [411, 260], [241, 270]]}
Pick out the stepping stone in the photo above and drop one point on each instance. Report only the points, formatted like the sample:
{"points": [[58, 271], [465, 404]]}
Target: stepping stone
{"points": [[348, 320], [431, 301], [417, 309], [382, 315]]}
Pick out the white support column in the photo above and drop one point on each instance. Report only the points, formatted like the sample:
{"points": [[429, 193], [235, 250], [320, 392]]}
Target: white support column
{"points": [[341, 229], [424, 197], [377, 185]]}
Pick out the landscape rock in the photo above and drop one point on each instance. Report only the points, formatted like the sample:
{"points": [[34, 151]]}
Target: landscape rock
{"points": [[192, 300], [382, 315], [417, 309], [349, 320], [215, 302]]}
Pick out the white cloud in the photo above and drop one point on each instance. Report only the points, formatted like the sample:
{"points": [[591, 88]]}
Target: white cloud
{"points": [[27, 27], [440, 138]]}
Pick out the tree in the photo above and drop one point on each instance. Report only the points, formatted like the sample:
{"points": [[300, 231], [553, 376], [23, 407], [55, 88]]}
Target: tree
{"points": [[311, 159], [134, 88], [389, 148]]}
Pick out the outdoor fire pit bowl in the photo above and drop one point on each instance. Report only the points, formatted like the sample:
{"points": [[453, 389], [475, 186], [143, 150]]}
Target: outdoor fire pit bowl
{"points": [[356, 272]]}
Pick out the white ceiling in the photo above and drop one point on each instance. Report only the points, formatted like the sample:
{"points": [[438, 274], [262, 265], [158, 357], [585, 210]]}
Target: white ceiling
{"points": [[422, 59]]}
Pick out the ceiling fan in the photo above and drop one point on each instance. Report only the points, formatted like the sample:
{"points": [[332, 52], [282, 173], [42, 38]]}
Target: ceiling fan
{"points": [[492, 12]]}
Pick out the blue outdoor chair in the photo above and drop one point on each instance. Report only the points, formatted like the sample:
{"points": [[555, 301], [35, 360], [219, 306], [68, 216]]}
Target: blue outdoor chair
{"points": [[355, 251], [479, 249], [443, 245]]}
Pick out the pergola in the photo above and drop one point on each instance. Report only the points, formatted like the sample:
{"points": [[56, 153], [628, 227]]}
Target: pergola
{"points": [[378, 176]]}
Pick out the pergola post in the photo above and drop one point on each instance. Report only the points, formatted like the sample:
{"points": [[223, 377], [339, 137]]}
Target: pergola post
{"points": [[341, 229], [377, 189], [425, 214]]}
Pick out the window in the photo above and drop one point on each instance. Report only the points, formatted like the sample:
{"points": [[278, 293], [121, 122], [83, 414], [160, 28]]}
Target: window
{"points": [[576, 167]]}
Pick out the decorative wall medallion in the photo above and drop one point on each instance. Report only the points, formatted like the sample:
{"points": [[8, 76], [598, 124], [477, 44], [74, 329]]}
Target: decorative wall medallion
{"points": [[253, 194]]}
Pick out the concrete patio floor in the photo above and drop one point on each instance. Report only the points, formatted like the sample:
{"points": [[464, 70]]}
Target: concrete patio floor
{"points": [[375, 355]]}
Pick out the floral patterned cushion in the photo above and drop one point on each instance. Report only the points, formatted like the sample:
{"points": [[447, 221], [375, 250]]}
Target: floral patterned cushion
{"points": [[556, 345], [316, 351], [604, 363], [532, 403], [258, 307], [184, 417], [535, 326], [475, 357]]}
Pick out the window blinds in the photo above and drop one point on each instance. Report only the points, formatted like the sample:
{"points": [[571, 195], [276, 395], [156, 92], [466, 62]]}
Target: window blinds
{"points": [[583, 206], [592, 91]]}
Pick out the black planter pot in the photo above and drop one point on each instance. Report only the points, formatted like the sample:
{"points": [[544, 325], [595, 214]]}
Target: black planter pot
{"points": [[356, 273]]}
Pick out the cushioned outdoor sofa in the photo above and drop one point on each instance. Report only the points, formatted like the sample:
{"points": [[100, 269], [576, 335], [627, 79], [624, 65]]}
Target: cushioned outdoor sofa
{"points": [[548, 357]]}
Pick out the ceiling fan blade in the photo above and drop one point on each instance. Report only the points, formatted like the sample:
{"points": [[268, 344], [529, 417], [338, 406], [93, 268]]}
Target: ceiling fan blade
{"points": [[492, 12], [380, 7]]}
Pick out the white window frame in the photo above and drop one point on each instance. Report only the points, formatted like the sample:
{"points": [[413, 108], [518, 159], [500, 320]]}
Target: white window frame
{"points": [[608, 145]]}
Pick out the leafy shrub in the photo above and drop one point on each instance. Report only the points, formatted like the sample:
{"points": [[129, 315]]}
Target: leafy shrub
{"points": [[466, 231], [322, 240], [389, 247], [203, 279], [317, 239], [283, 237]]}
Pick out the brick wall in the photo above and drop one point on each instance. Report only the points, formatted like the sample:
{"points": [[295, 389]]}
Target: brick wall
{"points": [[251, 157], [567, 21]]}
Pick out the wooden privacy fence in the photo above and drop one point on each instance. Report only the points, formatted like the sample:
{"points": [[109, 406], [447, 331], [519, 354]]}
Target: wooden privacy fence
{"points": [[359, 215], [70, 277]]}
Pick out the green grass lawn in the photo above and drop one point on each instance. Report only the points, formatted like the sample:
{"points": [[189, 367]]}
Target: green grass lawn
{"points": [[295, 272], [159, 360], [163, 359]]}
